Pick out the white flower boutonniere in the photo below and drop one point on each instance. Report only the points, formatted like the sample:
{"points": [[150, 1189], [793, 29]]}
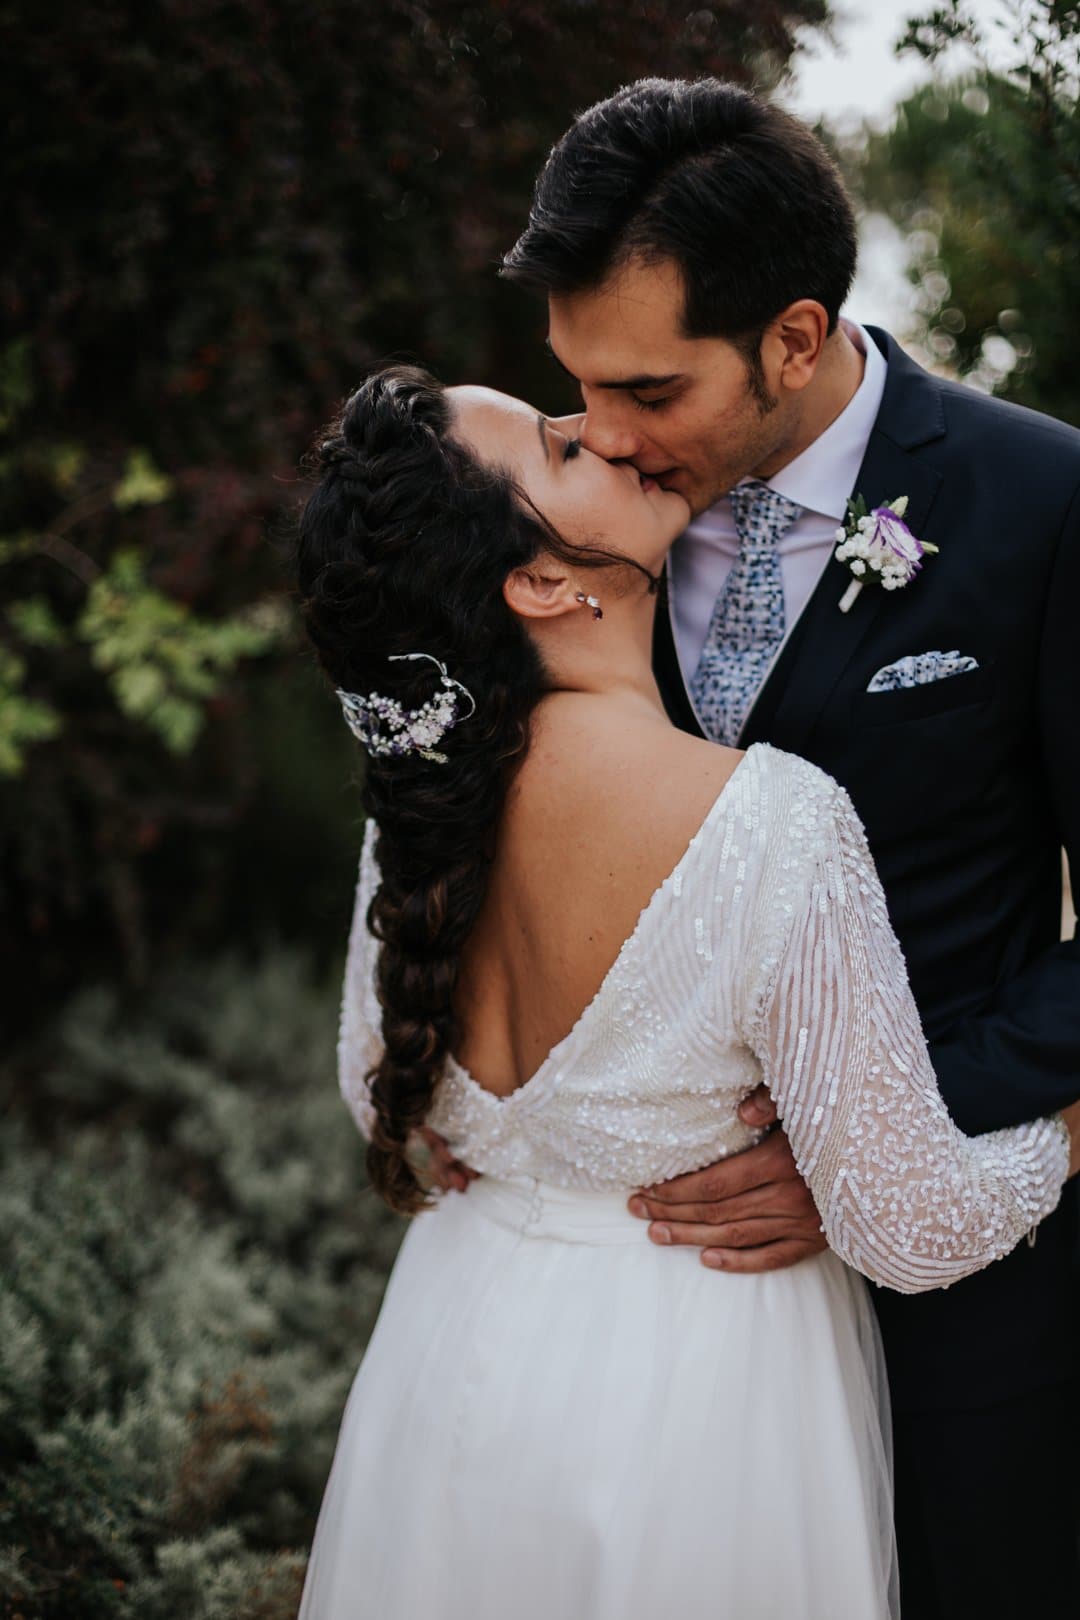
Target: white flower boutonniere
{"points": [[879, 548]]}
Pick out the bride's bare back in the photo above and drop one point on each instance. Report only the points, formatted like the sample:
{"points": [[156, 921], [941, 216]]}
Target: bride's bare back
{"points": [[600, 813]]}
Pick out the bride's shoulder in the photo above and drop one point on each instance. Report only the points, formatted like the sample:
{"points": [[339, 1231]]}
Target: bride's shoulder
{"points": [[592, 765], [592, 761], [798, 800], [800, 776]]}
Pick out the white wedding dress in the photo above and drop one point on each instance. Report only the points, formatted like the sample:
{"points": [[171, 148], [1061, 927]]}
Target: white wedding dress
{"points": [[557, 1420]]}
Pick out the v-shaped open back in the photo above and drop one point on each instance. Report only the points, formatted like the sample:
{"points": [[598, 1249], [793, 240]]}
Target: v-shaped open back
{"points": [[633, 939]]}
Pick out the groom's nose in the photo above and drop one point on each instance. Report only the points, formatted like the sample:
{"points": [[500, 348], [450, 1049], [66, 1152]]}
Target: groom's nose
{"points": [[606, 432]]}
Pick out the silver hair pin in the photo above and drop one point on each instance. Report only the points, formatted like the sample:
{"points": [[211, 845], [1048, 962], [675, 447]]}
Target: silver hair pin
{"points": [[385, 727]]}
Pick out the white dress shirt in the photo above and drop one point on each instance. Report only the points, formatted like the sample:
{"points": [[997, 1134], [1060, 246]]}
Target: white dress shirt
{"points": [[820, 480]]}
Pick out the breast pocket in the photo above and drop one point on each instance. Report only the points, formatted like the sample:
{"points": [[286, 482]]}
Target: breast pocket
{"points": [[940, 697]]}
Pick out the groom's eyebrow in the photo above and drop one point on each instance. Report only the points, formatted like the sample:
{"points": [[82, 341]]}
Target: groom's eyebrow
{"points": [[643, 382]]}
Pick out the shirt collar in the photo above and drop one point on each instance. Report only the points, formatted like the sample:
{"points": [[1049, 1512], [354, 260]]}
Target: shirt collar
{"points": [[823, 476]]}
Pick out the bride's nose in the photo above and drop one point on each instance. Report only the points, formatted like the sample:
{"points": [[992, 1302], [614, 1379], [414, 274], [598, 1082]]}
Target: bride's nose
{"points": [[569, 425]]}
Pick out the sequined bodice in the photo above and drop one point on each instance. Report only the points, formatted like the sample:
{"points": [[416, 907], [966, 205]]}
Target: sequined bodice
{"points": [[767, 953]]}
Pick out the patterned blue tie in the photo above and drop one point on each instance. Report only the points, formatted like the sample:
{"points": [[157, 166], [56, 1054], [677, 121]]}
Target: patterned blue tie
{"points": [[747, 624]]}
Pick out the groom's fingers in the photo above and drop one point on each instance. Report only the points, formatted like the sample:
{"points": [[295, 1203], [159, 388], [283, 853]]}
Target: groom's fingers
{"points": [[770, 1161], [772, 1198], [748, 1234], [771, 1257]]}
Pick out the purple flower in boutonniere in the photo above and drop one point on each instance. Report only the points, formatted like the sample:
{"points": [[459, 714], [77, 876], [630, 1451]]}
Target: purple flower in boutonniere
{"points": [[879, 548]]}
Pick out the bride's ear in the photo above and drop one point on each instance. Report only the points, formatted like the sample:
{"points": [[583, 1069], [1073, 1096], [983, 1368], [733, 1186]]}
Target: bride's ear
{"points": [[540, 591]]}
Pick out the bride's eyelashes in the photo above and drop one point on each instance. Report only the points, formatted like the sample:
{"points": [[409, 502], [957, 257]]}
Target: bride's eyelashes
{"points": [[573, 448]]}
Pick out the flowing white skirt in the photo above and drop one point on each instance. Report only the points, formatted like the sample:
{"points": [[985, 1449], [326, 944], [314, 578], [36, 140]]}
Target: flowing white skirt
{"points": [[557, 1420]]}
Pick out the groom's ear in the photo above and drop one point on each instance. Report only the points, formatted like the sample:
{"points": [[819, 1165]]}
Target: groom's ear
{"points": [[794, 343], [542, 590]]}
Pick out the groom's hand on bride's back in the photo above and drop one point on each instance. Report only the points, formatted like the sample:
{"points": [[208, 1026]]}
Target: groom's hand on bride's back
{"points": [[752, 1212]]}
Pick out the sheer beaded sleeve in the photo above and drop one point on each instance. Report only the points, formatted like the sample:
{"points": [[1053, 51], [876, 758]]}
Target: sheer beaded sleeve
{"points": [[904, 1196], [359, 1037]]}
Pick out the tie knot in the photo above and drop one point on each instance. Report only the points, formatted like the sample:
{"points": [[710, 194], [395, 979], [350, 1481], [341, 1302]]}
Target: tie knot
{"points": [[762, 515]]}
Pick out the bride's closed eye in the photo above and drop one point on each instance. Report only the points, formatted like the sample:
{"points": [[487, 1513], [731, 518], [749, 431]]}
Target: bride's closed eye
{"points": [[573, 447]]}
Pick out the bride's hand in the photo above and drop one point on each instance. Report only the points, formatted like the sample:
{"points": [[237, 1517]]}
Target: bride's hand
{"points": [[435, 1164]]}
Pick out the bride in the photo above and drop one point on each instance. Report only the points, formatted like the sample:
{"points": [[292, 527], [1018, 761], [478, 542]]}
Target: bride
{"points": [[581, 939]]}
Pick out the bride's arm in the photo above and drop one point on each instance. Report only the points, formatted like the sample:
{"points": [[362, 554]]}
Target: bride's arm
{"points": [[903, 1195], [359, 1031]]}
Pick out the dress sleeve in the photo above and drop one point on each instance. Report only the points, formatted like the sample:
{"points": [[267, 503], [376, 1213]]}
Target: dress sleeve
{"points": [[359, 1034], [904, 1196]]}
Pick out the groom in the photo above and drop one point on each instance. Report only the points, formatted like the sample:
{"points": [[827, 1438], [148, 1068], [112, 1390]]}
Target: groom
{"points": [[695, 245]]}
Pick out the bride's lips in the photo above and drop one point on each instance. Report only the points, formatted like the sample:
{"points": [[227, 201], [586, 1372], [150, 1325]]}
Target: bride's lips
{"points": [[647, 481], [656, 479]]}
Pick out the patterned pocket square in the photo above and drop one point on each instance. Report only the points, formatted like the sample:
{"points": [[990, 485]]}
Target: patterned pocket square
{"points": [[919, 669]]}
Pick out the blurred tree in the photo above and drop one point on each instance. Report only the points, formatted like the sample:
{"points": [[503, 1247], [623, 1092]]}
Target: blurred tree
{"points": [[983, 174], [219, 212]]}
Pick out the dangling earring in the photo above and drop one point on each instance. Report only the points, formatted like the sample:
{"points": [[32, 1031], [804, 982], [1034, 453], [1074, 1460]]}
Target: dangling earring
{"points": [[597, 610]]}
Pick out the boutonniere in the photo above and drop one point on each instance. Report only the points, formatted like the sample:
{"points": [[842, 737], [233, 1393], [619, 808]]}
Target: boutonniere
{"points": [[879, 548]]}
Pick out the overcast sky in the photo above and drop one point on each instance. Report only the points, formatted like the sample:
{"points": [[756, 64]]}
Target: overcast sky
{"points": [[860, 78]]}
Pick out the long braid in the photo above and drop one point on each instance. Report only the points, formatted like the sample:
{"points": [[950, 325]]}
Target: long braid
{"points": [[404, 545]]}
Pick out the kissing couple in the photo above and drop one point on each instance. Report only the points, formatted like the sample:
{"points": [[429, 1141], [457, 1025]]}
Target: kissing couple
{"points": [[721, 744]]}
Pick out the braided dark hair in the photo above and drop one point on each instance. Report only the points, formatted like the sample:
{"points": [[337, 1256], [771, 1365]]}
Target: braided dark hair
{"points": [[404, 545]]}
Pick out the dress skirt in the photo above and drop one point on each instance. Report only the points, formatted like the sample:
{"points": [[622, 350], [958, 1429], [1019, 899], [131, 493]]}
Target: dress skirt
{"points": [[555, 1419]]}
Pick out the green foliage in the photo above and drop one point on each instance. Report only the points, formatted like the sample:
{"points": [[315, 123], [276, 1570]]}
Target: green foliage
{"points": [[983, 174], [98, 662], [23, 720], [191, 1266], [163, 662], [141, 484]]}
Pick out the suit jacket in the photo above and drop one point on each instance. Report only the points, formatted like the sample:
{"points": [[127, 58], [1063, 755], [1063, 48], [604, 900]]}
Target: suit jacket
{"points": [[968, 787]]}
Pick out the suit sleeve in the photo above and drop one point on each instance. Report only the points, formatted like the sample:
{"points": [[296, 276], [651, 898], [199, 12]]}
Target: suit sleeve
{"points": [[1021, 1059]]}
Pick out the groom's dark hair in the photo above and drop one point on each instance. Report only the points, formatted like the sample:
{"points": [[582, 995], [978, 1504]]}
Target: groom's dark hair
{"points": [[739, 194]]}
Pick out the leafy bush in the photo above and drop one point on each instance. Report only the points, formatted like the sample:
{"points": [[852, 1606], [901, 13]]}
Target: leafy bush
{"points": [[191, 1267], [219, 215]]}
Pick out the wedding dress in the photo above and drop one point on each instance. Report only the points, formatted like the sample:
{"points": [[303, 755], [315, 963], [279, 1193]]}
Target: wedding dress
{"points": [[555, 1419]]}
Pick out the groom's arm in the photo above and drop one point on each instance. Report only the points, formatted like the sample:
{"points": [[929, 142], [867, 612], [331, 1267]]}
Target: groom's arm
{"points": [[1021, 1059]]}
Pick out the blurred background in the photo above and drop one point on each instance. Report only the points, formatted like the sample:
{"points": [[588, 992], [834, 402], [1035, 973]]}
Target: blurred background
{"points": [[219, 213]]}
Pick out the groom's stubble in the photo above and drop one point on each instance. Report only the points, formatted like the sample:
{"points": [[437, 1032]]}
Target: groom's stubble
{"points": [[697, 414]]}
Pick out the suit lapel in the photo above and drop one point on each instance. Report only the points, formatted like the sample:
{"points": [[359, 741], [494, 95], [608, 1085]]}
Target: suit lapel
{"points": [[825, 640]]}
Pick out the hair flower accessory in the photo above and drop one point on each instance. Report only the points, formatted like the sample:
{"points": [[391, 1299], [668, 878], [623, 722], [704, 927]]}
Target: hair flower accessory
{"points": [[384, 726], [879, 548]]}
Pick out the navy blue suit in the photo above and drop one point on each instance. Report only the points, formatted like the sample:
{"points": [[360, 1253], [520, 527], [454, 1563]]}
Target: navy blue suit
{"points": [[968, 787]]}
